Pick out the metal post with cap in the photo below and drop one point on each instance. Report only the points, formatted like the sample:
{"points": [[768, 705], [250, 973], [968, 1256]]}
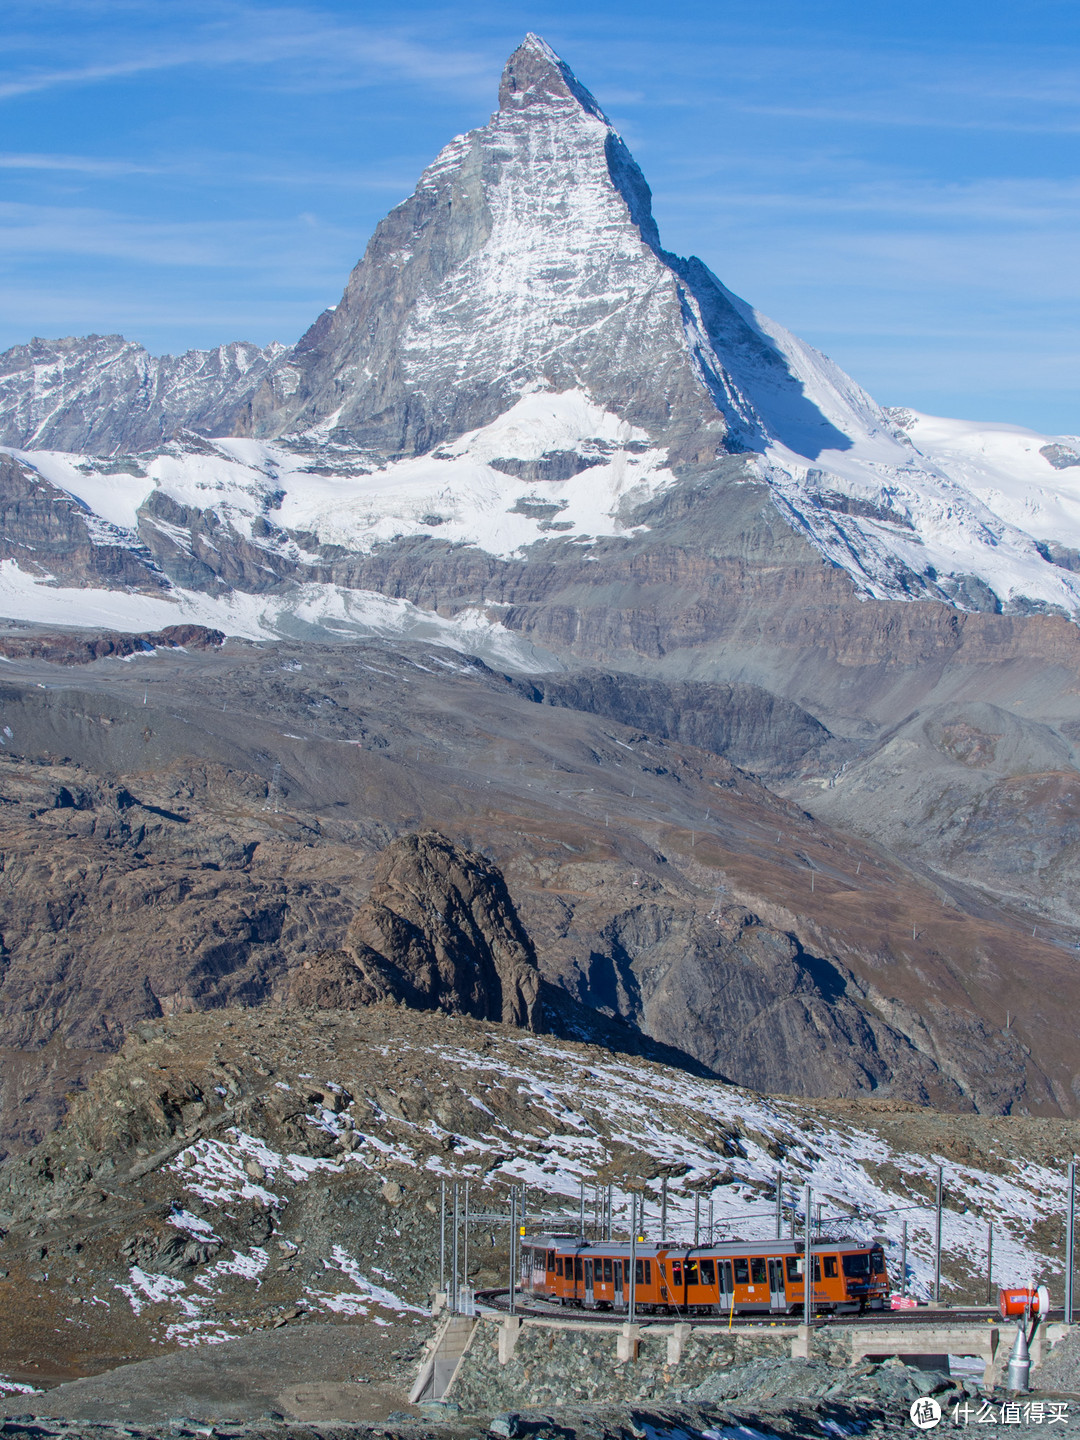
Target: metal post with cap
{"points": [[779, 1204], [903, 1258], [808, 1264], [513, 1245], [1070, 1243], [633, 1258], [465, 1241], [937, 1240], [442, 1237], [454, 1300]]}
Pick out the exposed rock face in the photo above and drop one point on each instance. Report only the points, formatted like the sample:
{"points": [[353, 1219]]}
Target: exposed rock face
{"points": [[102, 393], [537, 226], [751, 727], [49, 534], [439, 932]]}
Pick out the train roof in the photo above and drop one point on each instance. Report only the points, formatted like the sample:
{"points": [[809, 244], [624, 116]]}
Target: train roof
{"points": [[724, 1249], [577, 1246]]}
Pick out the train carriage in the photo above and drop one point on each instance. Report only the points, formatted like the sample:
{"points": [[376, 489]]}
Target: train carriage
{"points": [[736, 1277]]}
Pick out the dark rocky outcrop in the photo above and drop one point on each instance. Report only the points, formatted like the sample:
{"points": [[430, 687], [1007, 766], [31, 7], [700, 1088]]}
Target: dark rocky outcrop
{"points": [[80, 648], [438, 932], [745, 723]]}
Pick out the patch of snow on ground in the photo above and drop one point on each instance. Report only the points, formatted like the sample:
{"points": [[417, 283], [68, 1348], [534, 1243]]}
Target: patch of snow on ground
{"points": [[149, 1289], [192, 1225]]}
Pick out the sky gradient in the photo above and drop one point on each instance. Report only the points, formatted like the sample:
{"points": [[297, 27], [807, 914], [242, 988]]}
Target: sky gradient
{"points": [[898, 185]]}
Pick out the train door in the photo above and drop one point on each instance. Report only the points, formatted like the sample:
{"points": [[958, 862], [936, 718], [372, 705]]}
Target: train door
{"points": [[590, 1293], [620, 1302], [725, 1293], [777, 1292]]}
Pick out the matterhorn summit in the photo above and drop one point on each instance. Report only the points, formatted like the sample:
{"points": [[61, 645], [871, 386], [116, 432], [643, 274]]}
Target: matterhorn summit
{"points": [[528, 259], [517, 380]]}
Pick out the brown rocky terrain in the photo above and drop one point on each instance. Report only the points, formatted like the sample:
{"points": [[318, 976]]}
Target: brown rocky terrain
{"points": [[189, 833]]}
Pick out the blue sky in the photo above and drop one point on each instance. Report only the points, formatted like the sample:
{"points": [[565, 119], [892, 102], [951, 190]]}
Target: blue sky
{"points": [[896, 183]]}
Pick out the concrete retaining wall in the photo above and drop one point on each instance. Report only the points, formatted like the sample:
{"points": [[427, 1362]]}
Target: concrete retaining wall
{"points": [[513, 1362]]}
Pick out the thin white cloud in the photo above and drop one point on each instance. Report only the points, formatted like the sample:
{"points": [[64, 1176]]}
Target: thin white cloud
{"points": [[904, 117], [322, 54], [36, 230], [81, 164]]}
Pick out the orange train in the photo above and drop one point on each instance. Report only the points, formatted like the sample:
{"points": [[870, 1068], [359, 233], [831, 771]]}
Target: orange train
{"points": [[737, 1277]]}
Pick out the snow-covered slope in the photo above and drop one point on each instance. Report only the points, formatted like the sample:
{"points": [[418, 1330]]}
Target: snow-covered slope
{"points": [[978, 515]]}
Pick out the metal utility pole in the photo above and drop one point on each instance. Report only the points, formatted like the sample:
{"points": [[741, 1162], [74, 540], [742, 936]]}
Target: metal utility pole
{"points": [[663, 1210], [712, 1238], [454, 1302], [442, 1237], [697, 1218], [581, 1210], [1070, 1243], [990, 1265], [630, 1310], [808, 1265], [465, 1241], [903, 1257], [513, 1245], [817, 1222], [607, 1229], [937, 1240], [779, 1204]]}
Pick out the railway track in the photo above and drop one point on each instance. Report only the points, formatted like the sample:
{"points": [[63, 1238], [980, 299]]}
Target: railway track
{"points": [[499, 1300]]}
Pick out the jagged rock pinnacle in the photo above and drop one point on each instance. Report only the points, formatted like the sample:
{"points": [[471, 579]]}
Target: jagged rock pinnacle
{"points": [[535, 74]]}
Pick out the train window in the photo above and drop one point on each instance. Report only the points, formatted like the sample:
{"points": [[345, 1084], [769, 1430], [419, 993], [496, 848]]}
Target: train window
{"points": [[724, 1267], [648, 1272], [817, 1270], [708, 1272], [856, 1267], [757, 1271], [692, 1273], [877, 1262], [558, 1264], [639, 1273], [830, 1267], [742, 1272], [579, 1268], [551, 1259], [676, 1272], [794, 1268]]}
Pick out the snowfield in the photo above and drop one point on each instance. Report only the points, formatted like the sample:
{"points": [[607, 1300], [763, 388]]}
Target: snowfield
{"points": [[916, 507]]}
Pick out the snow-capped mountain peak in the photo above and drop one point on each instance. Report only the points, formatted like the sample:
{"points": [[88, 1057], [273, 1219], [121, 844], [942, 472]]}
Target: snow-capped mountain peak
{"points": [[517, 360]]}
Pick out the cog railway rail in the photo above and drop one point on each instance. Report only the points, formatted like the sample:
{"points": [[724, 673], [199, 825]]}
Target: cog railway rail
{"points": [[531, 1308]]}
